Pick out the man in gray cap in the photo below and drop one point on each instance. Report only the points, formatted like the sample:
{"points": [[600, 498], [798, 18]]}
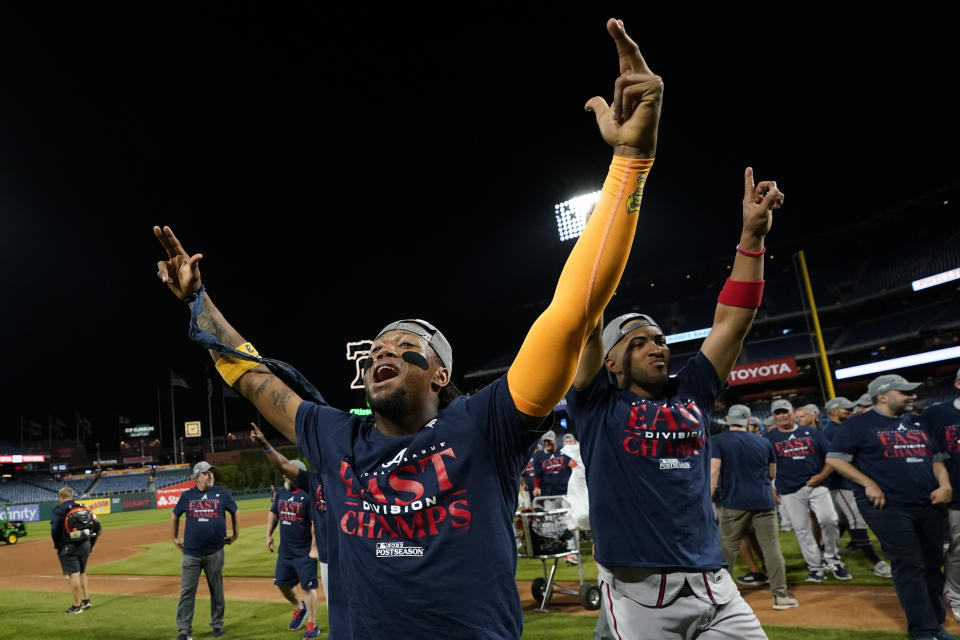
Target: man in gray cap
{"points": [[801, 473], [942, 421], [204, 535], [807, 415], [838, 410], [551, 472], [742, 465], [901, 487]]}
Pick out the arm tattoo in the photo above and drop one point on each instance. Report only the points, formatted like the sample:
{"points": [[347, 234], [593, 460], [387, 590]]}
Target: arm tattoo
{"points": [[263, 385], [280, 398], [209, 324]]}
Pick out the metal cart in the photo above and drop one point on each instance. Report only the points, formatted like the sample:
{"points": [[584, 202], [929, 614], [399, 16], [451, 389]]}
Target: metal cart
{"points": [[543, 534]]}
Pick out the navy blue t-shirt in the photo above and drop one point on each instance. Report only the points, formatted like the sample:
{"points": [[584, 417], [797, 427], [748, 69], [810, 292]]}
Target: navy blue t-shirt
{"points": [[745, 470], [835, 481], [896, 453], [801, 454], [648, 470], [311, 482], [421, 526], [293, 509], [942, 421], [205, 529], [553, 471]]}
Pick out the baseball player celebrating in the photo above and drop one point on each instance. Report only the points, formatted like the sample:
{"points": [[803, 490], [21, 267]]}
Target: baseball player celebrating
{"points": [[421, 494], [643, 438]]}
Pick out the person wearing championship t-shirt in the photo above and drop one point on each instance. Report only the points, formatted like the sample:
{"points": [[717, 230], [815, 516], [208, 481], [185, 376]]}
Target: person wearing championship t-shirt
{"points": [[942, 421], [551, 473], [801, 472], [838, 410], [644, 442], [312, 484], [743, 464], [204, 535], [421, 495], [902, 488]]}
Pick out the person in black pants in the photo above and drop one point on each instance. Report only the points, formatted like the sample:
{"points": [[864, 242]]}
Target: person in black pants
{"points": [[902, 489], [73, 554]]}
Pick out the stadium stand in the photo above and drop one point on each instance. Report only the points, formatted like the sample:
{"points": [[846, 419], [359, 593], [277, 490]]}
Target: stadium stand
{"points": [[121, 484], [167, 478], [16, 492]]}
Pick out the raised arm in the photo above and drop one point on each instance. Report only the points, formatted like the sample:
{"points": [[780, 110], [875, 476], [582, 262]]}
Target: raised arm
{"points": [[547, 362], [275, 458], [272, 398], [738, 302]]}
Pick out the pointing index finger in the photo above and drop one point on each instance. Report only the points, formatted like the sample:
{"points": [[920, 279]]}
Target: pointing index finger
{"points": [[630, 59]]}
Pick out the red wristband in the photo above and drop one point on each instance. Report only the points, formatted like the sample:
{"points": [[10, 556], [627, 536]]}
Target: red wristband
{"points": [[736, 293], [752, 254]]}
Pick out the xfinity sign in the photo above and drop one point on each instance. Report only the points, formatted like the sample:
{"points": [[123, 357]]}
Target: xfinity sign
{"points": [[24, 513]]}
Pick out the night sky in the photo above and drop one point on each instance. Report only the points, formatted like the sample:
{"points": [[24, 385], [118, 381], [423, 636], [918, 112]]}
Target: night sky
{"points": [[342, 171]]}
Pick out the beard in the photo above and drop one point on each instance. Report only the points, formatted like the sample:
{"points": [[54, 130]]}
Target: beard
{"points": [[651, 381], [393, 406]]}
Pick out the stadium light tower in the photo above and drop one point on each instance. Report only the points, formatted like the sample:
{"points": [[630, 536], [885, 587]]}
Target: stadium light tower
{"points": [[571, 214]]}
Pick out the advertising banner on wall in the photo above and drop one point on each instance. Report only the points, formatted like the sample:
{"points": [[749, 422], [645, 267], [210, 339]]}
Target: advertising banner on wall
{"points": [[22, 512], [99, 506], [168, 496], [763, 371]]}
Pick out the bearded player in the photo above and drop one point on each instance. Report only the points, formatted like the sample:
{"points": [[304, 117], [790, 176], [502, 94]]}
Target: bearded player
{"points": [[421, 495], [643, 438]]}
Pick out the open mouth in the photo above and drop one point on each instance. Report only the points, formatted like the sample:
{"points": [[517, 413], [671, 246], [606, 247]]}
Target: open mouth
{"points": [[384, 372]]}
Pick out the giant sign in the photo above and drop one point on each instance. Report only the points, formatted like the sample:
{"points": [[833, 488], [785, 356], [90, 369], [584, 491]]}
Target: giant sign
{"points": [[763, 371], [139, 431], [20, 459], [22, 512]]}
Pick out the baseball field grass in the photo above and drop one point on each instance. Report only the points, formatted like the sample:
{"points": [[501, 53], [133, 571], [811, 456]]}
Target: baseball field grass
{"points": [[127, 617], [27, 615]]}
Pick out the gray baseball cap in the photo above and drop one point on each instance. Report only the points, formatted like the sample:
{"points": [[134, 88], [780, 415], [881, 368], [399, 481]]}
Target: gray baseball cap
{"points": [[738, 414], [768, 421], [890, 382], [621, 326], [865, 400], [299, 464], [755, 420], [202, 467], [569, 437], [812, 408], [838, 403], [549, 435], [781, 403], [429, 333]]}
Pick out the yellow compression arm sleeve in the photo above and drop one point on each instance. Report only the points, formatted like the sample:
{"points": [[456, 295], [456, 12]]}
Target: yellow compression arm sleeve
{"points": [[547, 362]]}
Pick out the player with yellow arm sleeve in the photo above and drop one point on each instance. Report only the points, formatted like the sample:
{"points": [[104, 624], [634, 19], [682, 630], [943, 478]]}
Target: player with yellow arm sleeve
{"points": [[421, 494]]}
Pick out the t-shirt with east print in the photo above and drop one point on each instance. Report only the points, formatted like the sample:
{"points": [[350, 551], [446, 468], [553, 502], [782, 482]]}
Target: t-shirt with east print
{"points": [[205, 529], [311, 482], [293, 509], [745, 470], [553, 470], [801, 454], [648, 470], [424, 531], [942, 421], [896, 453]]}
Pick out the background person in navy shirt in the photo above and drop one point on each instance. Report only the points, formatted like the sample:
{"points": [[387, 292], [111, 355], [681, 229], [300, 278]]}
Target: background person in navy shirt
{"points": [[942, 421], [204, 535], [742, 465], [841, 490], [551, 472], [902, 488], [296, 558], [311, 482], [801, 472], [644, 441]]}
